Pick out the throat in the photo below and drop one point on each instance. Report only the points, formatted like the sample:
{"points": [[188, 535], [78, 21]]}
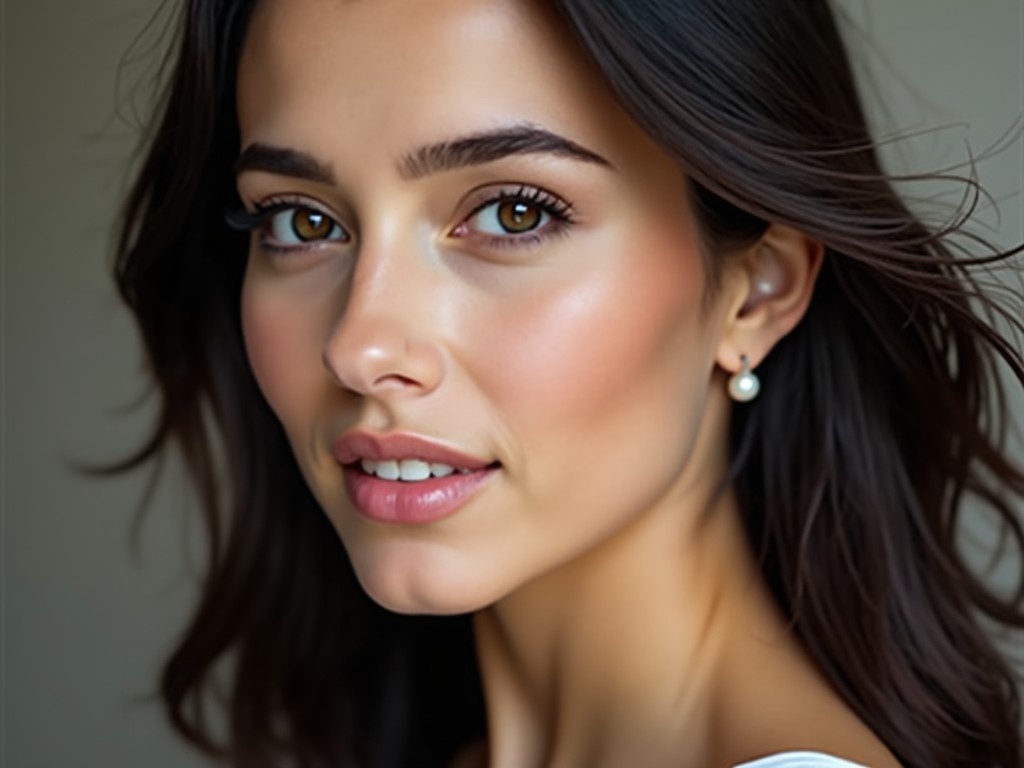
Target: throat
{"points": [[610, 661]]}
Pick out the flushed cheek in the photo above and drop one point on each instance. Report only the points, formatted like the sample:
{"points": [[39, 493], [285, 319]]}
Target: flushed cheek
{"points": [[607, 368], [281, 344]]}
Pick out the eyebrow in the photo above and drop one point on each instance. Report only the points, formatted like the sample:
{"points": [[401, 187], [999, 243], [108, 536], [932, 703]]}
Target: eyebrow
{"points": [[283, 162], [489, 146], [475, 149]]}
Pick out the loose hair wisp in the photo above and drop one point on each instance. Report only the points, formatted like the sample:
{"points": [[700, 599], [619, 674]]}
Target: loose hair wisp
{"points": [[850, 468]]}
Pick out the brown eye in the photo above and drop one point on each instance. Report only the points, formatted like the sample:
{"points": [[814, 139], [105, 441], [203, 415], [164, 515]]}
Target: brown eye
{"points": [[517, 216], [522, 218], [299, 225], [311, 225]]}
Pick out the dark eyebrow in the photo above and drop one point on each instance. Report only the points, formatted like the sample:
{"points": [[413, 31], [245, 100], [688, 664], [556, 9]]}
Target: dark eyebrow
{"points": [[475, 149], [283, 162], [489, 146]]}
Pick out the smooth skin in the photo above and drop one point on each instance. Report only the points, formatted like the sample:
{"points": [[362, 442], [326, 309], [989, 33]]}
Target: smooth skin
{"points": [[620, 619]]}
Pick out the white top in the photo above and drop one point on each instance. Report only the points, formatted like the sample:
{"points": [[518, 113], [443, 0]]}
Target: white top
{"points": [[800, 760]]}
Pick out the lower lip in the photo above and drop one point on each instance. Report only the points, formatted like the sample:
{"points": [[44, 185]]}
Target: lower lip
{"points": [[423, 501]]}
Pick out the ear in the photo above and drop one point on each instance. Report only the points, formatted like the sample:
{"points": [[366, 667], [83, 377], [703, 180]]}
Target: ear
{"points": [[772, 283]]}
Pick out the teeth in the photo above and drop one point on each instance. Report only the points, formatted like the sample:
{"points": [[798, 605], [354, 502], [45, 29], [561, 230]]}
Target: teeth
{"points": [[413, 469], [408, 470], [388, 470]]}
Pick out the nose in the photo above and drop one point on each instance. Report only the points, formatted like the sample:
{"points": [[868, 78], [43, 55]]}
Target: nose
{"points": [[384, 343]]}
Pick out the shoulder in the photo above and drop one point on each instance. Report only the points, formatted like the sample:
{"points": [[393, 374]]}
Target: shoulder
{"points": [[800, 760]]}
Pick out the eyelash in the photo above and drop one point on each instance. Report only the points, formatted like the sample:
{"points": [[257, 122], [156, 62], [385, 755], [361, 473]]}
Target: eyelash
{"points": [[558, 210], [265, 213]]}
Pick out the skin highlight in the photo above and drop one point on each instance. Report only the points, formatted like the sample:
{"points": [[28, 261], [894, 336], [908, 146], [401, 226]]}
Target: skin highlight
{"points": [[540, 357]]}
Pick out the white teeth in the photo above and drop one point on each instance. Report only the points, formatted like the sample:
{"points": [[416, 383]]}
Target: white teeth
{"points": [[413, 469], [407, 470], [388, 470]]}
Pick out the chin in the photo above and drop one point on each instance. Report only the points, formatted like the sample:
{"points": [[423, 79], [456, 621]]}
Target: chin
{"points": [[423, 583]]}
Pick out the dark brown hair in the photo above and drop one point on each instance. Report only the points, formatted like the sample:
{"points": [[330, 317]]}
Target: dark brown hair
{"points": [[879, 418]]}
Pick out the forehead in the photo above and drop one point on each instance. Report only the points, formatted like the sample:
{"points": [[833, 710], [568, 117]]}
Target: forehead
{"points": [[397, 72]]}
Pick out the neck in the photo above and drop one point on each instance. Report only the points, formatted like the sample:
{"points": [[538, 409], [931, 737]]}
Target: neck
{"points": [[614, 658], [659, 647]]}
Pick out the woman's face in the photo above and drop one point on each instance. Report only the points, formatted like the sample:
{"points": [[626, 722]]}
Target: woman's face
{"points": [[470, 263]]}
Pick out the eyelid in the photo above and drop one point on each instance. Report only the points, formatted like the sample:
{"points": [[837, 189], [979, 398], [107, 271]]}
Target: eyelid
{"points": [[559, 210], [554, 204], [243, 220]]}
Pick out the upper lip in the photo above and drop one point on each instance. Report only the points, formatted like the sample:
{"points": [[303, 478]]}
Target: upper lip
{"points": [[351, 447]]}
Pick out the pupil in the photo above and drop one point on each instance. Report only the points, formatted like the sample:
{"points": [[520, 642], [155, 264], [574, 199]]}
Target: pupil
{"points": [[518, 216]]}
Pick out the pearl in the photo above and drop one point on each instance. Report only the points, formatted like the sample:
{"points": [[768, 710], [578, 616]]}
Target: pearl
{"points": [[744, 385]]}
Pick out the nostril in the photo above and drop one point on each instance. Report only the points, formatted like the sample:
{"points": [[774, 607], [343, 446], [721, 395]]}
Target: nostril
{"points": [[395, 379]]}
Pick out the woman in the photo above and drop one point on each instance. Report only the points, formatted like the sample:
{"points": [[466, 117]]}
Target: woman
{"points": [[479, 345]]}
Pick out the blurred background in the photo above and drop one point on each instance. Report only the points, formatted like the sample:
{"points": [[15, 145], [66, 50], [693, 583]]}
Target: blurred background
{"points": [[86, 614]]}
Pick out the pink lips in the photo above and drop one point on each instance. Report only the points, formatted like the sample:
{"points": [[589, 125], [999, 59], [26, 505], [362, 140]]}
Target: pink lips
{"points": [[397, 501]]}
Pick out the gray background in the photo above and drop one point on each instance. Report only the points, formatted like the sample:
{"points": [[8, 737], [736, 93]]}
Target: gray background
{"points": [[85, 618]]}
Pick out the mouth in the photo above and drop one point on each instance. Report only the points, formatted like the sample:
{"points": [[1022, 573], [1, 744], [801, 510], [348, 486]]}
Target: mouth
{"points": [[407, 479]]}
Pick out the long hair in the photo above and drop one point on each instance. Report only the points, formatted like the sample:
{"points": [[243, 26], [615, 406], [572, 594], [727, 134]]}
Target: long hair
{"points": [[878, 416]]}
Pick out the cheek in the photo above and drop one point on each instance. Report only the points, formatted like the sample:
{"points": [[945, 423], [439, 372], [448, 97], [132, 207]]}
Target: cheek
{"points": [[282, 351], [615, 367], [614, 341]]}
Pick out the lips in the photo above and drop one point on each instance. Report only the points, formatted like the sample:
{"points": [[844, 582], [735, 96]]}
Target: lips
{"points": [[402, 478]]}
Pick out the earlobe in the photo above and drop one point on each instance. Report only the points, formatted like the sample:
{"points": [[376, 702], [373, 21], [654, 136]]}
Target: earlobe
{"points": [[779, 272]]}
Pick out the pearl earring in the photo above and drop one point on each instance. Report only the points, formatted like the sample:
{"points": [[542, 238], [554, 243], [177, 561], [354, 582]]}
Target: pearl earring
{"points": [[744, 385]]}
